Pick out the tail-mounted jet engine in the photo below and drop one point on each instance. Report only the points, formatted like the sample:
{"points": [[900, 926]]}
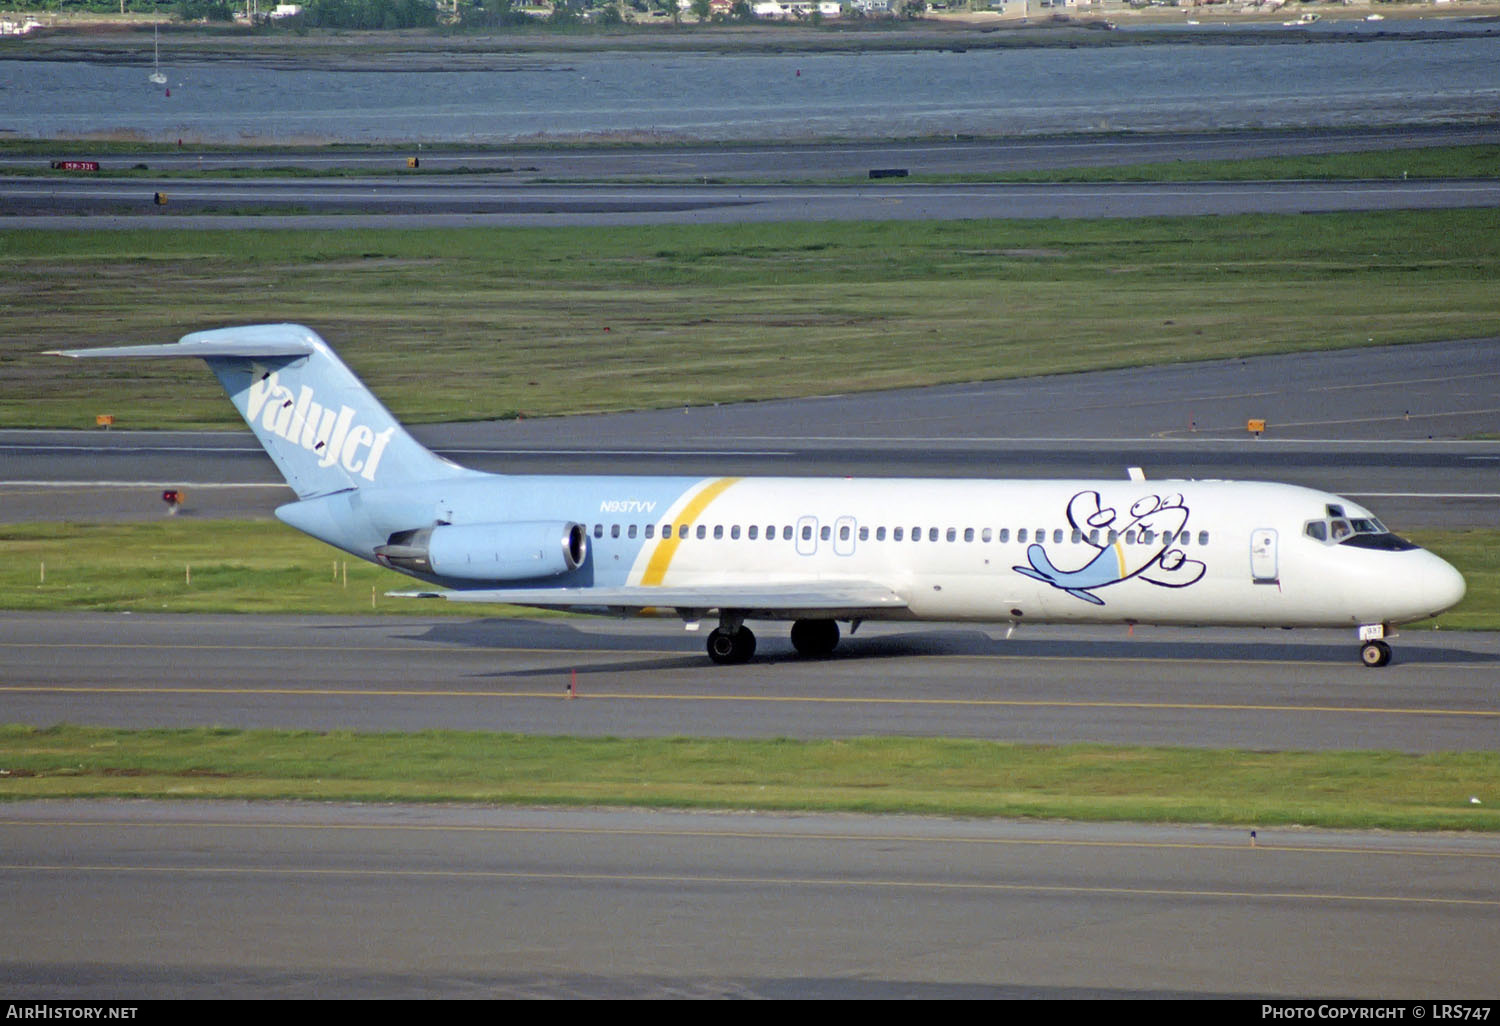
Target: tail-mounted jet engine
{"points": [[488, 552]]}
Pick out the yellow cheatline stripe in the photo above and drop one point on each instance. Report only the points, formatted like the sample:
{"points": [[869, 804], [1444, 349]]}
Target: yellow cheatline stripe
{"points": [[1120, 555], [666, 548], [755, 881], [1012, 703]]}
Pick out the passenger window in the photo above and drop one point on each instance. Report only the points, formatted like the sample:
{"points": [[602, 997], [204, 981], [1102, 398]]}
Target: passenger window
{"points": [[932, 534], [650, 530], [864, 534], [1148, 536], [897, 534], [880, 534], [1021, 535], [1202, 537], [1129, 537], [630, 531], [718, 531], [1114, 536], [1005, 534], [807, 532], [702, 531], [952, 534], [1094, 536], [786, 532], [754, 529], [1077, 536], [598, 530], [614, 530], [968, 534], [985, 536], [844, 533], [1057, 536], [825, 533], [734, 532]]}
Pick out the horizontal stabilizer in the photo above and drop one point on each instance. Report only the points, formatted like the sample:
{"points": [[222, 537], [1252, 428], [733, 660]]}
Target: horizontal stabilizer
{"points": [[256, 342], [839, 600]]}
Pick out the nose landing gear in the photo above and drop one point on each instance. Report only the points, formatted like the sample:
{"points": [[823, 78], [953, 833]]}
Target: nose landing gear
{"points": [[1375, 653], [1373, 650]]}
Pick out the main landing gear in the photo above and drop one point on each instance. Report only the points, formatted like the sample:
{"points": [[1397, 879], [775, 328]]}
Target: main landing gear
{"points": [[732, 642], [815, 639], [728, 645]]}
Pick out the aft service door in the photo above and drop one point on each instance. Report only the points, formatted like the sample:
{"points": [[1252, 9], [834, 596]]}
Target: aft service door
{"points": [[1263, 556]]}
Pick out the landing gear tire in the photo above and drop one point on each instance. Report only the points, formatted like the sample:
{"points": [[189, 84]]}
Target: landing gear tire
{"points": [[729, 647], [1375, 653], [815, 639]]}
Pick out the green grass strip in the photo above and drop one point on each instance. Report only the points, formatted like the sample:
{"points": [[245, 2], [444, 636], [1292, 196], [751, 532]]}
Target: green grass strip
{"points": [[182, 565], [485, 323], [1347, 790], [1429, 162]]}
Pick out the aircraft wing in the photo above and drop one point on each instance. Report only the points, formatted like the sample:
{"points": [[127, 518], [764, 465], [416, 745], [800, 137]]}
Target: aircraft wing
{"points": [[835, 600]]}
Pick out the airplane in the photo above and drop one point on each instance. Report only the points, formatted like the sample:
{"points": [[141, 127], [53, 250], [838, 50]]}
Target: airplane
{"points": [[813, 551]]}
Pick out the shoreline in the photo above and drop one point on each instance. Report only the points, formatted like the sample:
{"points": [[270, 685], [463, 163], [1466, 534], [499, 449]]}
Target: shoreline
{"points": [[111, 40]]}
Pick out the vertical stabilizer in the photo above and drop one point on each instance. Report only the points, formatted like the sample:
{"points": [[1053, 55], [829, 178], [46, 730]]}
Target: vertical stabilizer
{"points": [[323, 428]]}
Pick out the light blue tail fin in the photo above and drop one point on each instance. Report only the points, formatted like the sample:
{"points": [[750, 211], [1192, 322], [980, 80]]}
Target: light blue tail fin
{"points": [[321, 426]]}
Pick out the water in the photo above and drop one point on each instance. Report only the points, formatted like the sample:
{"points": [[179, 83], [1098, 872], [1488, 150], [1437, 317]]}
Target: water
{"points": [[798, 96]]}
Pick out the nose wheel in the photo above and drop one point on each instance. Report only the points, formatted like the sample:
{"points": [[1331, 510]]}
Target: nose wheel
{"points": [[1375, 653]]}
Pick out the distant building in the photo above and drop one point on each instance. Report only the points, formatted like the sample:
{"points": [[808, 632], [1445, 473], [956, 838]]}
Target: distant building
{"points": [[287, 11]]}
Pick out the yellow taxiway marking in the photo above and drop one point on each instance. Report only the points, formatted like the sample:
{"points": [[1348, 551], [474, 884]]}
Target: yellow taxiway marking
{"points": [[608, 696], [691, 879], [1259, 849]]}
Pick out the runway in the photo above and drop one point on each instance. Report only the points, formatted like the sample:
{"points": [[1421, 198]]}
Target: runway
{"points": [[1263, 689], [372, 203], [253, 900], [720, 184], [846, 159], [1408, 430]]}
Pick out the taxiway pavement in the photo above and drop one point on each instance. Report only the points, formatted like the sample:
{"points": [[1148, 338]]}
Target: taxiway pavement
{"points": [[184, 900]]}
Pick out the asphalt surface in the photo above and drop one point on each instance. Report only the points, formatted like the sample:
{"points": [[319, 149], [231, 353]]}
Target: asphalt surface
{"points": [[1393, 427], [231, 900], [206, 204], [736, 184], [1264, 689], [779, 161]]}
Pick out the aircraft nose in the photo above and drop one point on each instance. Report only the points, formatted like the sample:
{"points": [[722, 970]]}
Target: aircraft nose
{"points": [[1442, 587]]}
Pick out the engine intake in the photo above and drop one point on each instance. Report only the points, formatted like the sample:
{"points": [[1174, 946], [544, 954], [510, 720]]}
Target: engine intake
{"points": [[488, 552]]}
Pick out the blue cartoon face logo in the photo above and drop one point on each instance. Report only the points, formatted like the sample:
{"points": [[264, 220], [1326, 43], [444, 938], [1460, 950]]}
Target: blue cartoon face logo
{"points": [[1145, 546]]}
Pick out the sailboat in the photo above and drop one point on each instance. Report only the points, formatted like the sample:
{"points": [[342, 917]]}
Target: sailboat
{"points": [[157, 76]]}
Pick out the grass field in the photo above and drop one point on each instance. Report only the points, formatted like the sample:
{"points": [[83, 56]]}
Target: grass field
{"points": [[1352, 790], [483, 323], [217, 566]]}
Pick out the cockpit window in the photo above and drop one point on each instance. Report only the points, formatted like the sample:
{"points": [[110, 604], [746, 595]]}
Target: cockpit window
{"points": [[1360, 532]]}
